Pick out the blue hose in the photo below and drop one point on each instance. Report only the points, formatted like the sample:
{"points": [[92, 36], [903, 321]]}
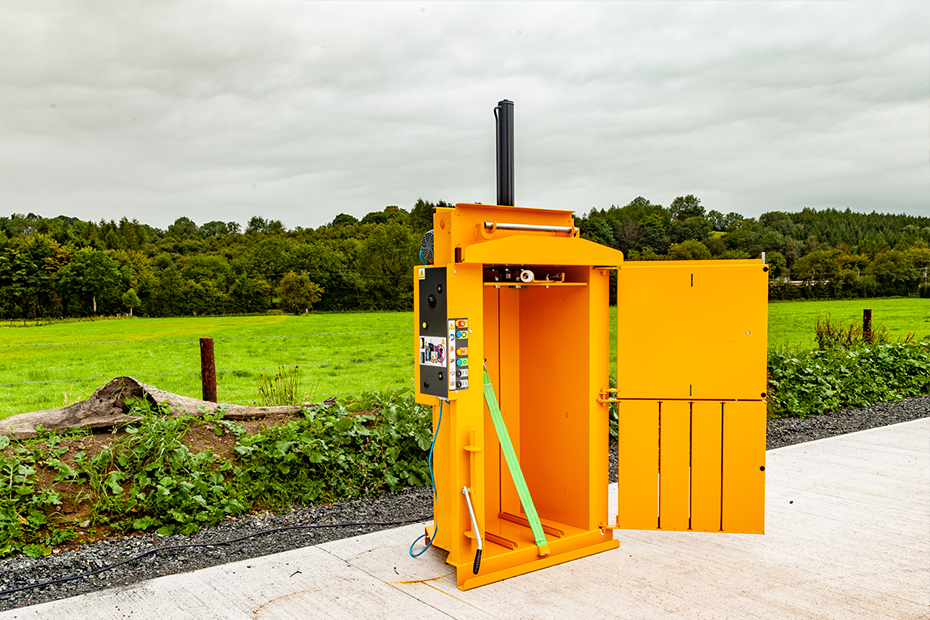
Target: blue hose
{"points": [[433, 482]]}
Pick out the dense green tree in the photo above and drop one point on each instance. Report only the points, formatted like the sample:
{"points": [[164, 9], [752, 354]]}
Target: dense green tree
{"points": [[330, 266], [386, 260], [297, 293], [131, 300], [689, 249], [259, 225], [819, 265], [217, 228], [29, 268], [654, 236], [684, 207], [344, 219], [270, 257], [91, 276], [421, 216], [391, 213], [693, 228], [895, 272], [208, 268], [167, 298], [597, 228], [137, 272], [745, 236], [213, 269], [715, 245], [778, 266], [250, 295], [734, 255], [182, 228], [637, 209]]}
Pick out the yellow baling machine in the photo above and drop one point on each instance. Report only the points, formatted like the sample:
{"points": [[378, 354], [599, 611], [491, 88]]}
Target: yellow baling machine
{"points": [[512, 343]]}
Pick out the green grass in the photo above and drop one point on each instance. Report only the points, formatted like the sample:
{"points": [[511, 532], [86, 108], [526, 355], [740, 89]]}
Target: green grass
{"points": [[791, 323], [332, 350]]}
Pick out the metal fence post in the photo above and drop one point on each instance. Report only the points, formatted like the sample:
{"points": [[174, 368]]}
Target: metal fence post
{"points": [[207, 369], [867, 325]]}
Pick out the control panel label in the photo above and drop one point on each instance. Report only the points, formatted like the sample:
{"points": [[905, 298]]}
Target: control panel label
{"points": [[433, 351]]}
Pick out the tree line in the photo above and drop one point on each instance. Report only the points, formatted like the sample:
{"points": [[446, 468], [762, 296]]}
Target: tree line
{"points": [[811, 254], [66, 267]]}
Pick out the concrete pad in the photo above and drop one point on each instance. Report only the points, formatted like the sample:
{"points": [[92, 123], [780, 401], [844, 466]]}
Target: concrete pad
{"points": [[847, 536], [304, 583]]}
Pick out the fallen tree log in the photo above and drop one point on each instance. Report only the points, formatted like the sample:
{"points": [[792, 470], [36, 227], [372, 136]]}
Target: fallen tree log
{"points": [[109, 407]]}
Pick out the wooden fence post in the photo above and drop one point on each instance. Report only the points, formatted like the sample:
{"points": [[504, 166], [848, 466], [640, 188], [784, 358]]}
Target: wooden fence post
{"points": [[207, 369], [867, 325]]}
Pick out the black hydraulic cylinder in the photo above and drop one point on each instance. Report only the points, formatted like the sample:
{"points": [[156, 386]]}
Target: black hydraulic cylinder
{"points": [[504, 115]]}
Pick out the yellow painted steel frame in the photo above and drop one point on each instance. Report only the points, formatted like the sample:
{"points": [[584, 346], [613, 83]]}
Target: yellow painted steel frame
{"points": [[547, 382], [546, 349]]}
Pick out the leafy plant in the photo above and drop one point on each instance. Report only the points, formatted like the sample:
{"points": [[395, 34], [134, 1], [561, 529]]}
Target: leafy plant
{"points": [[807, 383], [25, 506], [338, 452], [150, 478]]}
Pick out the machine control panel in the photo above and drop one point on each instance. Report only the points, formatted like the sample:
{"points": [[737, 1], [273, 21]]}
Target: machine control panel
{"points": [[443, 340], [458, 354]]}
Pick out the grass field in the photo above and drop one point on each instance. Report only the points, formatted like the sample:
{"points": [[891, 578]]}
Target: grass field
{"points": [[792, 323], [51, 365], [335, 352]]}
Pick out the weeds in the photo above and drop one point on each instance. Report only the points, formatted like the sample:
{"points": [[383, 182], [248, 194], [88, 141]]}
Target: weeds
{"points": [[282, 389], [833, 335]]}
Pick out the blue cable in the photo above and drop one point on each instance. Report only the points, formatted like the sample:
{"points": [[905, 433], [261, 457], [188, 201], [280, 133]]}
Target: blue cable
{"points": [[433, 482]]}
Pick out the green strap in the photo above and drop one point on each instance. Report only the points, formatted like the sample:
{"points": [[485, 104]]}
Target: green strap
{"points": [[512, 463]]}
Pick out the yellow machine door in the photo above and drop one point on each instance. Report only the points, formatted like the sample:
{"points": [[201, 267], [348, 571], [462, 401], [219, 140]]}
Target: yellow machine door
{"points": [[691, 381]]}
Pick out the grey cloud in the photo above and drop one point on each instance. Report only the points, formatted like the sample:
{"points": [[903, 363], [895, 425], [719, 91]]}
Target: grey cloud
{"points": [[302, 110]]}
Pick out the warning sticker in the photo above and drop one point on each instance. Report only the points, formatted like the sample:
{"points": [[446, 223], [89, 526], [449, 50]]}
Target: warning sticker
{"points": [[432, 351]]}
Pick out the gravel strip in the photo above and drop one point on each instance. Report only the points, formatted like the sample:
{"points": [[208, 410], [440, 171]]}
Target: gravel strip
{"points": [[412, 504], [789, 431]]}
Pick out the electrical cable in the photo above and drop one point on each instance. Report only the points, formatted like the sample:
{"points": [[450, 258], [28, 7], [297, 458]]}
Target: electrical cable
{"points": [[208, 544], [432, 479]]}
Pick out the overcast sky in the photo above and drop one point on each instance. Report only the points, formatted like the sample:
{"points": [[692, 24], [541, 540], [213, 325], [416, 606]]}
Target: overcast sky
{"points": [[301, 110]]}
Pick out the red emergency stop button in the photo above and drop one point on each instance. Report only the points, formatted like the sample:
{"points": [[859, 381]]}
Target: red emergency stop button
{"points": [[461, 323]]}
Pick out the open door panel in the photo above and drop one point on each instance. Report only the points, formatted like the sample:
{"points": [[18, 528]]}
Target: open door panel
{"points": [[691, 380]]}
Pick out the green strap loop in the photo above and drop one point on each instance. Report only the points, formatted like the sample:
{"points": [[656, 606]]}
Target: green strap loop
{"points": [[512, 463]]}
